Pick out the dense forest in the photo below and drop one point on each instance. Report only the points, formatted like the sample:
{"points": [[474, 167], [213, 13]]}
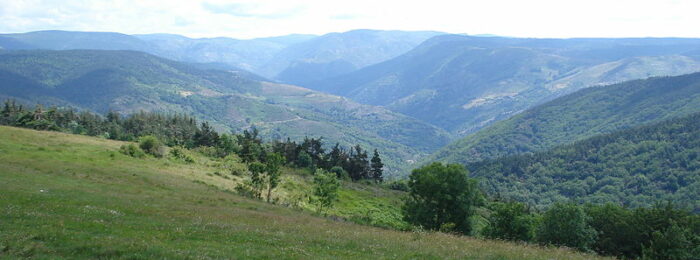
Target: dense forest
{"points": [[586, 113], [444, 198], [177, 130], [632, 167]]}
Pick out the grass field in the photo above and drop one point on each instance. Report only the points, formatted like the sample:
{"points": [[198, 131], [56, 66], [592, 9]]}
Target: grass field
{"points": [[68, 196]]}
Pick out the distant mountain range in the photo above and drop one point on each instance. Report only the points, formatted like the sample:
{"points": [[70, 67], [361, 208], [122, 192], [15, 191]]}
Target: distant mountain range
{"points": [[574, 117], [292, 58], [129, 81], [463, 83]]}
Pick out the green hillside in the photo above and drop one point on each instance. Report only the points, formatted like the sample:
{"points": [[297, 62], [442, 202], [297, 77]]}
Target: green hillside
{"points": [[128, 81], [633, 167], [464, 83], [68, 196], [577, 116]]}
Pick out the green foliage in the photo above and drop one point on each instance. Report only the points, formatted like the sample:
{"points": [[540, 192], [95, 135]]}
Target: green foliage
{"points": [[272, 170], [632, 167], [257, 178], [377, 167], [151, 145], [304, 160], [566, 225], [442, 194], [132, 150], [340, 173], [511, 221], [325, 190], [181, 153]]}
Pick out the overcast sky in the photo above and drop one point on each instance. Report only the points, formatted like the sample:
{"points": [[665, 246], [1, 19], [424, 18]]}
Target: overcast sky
{"points": [[261, 18]]}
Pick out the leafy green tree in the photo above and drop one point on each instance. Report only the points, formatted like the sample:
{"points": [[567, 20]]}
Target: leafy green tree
{"points": [[566, 224], [272, 169], [442, 195], [511, 221], [325, 190], [257, 170], [377, 167], [617, 234]]}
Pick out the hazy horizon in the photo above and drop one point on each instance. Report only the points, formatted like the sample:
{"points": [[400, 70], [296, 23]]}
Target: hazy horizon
{"points": [[248, 19]]}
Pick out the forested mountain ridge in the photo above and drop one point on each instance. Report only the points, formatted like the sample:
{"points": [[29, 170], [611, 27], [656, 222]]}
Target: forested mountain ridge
{"points": [[632, 167], [128, 81], [577, 116], [463, 83]]}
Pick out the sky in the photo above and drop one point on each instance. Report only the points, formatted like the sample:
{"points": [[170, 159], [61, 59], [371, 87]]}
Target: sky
{"points": [[244, 19]]}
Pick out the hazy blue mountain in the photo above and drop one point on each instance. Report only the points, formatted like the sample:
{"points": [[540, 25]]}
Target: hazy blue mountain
{"points": [[338, 53], [246, 54], [463, 83], [129, 81], [585, 113], [68, 40]]}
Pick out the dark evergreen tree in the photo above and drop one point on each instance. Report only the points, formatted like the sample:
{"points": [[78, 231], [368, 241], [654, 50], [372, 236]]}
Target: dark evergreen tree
{"points": [[377, 167]]}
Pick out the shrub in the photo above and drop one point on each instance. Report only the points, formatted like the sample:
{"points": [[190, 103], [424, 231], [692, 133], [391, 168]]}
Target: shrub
{"points": [[151, 145], [180, 153], [132, 150]]}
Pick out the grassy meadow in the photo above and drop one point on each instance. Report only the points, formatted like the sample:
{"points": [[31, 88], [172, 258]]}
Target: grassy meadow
{"points": [[75, 197]]}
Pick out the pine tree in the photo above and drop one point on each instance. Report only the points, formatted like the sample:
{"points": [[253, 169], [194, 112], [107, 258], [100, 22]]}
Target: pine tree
{"points": [[377, 167]]}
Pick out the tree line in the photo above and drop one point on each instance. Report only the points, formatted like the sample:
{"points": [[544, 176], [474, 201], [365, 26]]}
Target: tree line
{"points": [[443, 197], [178, 130]]}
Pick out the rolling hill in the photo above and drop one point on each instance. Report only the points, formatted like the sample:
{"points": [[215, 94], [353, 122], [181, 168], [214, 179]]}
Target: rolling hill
{"points": [[580, 115], [632, 167], [463, 83], [76, 197], [128, 81]]}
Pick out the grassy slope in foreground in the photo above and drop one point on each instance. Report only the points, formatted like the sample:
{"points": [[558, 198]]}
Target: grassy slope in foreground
{"points": [[67, 196]]}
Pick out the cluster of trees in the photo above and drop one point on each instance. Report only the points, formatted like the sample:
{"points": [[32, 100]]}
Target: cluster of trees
{"points": [[443, 197], [353, 163], [633, 167]]}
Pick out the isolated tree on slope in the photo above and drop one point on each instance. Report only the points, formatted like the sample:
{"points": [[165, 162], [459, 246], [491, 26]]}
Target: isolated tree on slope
{"points": [[442, 197], [377, 167], [325, 189], [272, 168]]}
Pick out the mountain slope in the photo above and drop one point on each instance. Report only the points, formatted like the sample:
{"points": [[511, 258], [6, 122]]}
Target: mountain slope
{"points": [[128, 81], [632, 167], [76, 197], [580, 115], [244, 54], [338, 53], [463, 83]]}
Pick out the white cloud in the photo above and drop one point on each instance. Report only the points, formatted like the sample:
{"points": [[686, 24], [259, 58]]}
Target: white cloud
{"points": [[248, 18]]}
